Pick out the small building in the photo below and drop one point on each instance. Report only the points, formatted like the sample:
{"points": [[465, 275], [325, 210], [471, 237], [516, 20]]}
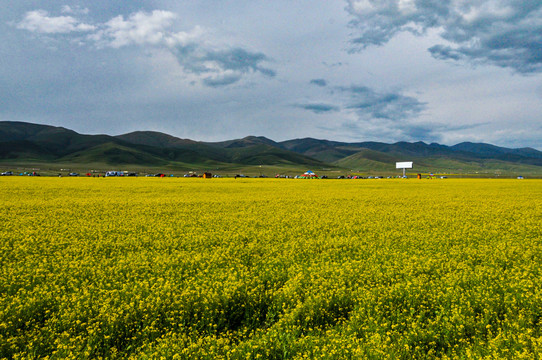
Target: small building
{"points": [[207, 175]]}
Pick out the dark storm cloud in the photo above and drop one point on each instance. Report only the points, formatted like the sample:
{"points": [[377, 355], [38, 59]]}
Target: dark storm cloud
{"points": [[223, 67], [406, 130], [223, 80], [433, 132], [389, 131], [319, 82], [420, 133], [318, 108], [378, 21], [384, 115], [370, 104], [238, 59], [506, 33]]}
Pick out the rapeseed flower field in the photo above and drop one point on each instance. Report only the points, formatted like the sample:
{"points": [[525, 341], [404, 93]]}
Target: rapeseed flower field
{"points": [[148, 268]]}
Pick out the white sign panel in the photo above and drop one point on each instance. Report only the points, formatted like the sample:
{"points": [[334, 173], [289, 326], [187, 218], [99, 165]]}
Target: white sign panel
{"points": [[404, 165]]}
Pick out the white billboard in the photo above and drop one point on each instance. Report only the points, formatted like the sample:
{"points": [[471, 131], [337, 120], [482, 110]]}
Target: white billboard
{"points": [[404, 165]]}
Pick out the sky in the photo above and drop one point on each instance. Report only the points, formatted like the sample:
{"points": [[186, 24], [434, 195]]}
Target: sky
{"points": [[444, 71]]}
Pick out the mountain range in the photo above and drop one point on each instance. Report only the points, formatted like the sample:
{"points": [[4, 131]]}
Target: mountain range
{"points": [[22, 142]]}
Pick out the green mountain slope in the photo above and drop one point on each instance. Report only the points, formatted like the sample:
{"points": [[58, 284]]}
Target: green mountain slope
{"points": [[42, 143], [461, 156], [268, 155], [154, 138], [26, 142], [251, 150], [368, 159], [244, 142], [112, 154], [25, 150]]}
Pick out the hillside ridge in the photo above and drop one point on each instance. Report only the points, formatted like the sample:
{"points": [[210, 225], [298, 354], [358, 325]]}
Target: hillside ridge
{"points": [[22, 141]]}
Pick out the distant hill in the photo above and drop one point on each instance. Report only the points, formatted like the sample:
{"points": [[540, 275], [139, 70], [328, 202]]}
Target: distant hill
{"points": [[154, 138], [367, 158], [251, 150], [245, 142], [17, 131], [493, 151], [426, 156], [32, 142], [27, 142]]}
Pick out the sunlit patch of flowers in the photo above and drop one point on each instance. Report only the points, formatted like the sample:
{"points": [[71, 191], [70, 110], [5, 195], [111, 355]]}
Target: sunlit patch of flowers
{"points": [[270, 269]]}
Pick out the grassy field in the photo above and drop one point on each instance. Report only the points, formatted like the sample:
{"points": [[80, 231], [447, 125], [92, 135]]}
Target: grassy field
{"points": [[270, 268], [345, 168]]}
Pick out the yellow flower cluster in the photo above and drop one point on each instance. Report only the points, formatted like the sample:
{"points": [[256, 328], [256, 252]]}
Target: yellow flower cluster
{"points": [[95, 268]]}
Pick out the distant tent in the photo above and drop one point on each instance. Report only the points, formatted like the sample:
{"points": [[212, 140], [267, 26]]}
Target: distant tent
{"points": [[308, 175]]}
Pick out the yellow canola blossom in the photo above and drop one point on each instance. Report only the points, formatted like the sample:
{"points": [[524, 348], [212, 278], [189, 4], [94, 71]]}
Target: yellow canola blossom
{"points": [[118, 268]]}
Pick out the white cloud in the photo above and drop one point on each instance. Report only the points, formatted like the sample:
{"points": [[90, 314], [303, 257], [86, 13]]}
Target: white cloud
{"points": [[362, 5], [66, 9], [185, 37], [407, 6], [139, 29], [39, 21], [215, 64]]}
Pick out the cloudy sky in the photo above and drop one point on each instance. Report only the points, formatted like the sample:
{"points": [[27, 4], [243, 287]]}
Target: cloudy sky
{"points": [[441, 71]]}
